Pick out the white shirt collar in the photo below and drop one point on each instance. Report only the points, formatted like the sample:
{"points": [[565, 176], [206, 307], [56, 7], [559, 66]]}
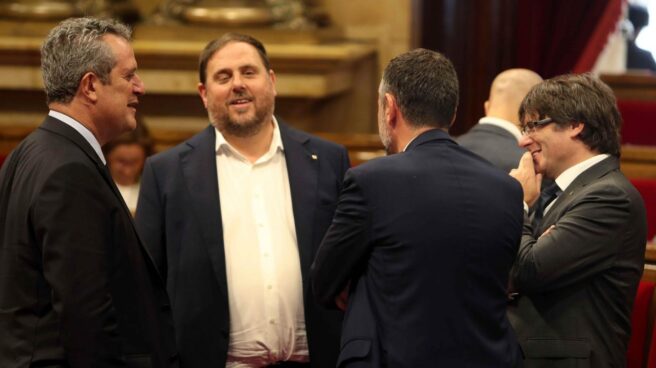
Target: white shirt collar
{"points": [[84, 132], [505, 124], [567, 177], [276, 143], [408, 145]]}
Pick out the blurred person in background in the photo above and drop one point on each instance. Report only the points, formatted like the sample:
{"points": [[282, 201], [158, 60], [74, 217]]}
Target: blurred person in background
{"points": [[126, 156]]}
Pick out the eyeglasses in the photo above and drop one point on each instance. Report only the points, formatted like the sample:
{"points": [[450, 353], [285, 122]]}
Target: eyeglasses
{"points": [[531, 126]]}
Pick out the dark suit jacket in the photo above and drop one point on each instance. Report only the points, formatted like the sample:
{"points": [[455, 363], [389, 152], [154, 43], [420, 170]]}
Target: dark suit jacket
{"points": [[77, 289], [494, 144], [429, 235], [577, 283], [179, 217]]}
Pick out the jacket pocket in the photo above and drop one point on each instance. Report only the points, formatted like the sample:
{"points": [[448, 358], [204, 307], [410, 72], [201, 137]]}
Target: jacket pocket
{"points": [[556, 348], [138, 361], [352, 350]]}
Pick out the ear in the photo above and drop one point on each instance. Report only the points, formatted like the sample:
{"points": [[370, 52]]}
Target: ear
{"points": [[453, 119], [576, 129], [89, 85], [272, 75], [203, 93], [486, 106], [391, 110]]}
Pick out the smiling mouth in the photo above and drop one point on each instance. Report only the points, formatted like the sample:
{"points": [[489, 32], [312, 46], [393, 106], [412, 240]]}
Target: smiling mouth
{"points": [[240, 101], [133, 104]]}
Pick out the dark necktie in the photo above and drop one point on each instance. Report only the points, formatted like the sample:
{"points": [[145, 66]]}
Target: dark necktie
{"points": [[546, 197]]}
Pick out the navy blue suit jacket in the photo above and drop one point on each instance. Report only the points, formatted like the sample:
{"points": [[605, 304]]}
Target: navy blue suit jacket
{"points": [[429, 235], [179, 218]]}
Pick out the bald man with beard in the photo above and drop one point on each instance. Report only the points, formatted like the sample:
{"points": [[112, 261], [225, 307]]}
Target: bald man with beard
{"points": [[496, 136]]}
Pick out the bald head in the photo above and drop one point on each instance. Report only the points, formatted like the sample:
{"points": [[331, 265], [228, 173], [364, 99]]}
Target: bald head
{"points": [[507, 92]]}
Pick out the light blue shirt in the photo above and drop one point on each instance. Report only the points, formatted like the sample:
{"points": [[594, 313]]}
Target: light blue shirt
{"points": [[84, 132]]}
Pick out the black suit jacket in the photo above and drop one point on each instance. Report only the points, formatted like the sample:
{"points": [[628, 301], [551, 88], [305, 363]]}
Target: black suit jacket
{"points": [[578, 282], [429, 235], [77, 289], [179, 217], [494, 144]]}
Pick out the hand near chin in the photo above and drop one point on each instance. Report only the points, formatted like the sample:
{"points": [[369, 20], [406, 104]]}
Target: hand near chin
{"points": [[528, 179]]}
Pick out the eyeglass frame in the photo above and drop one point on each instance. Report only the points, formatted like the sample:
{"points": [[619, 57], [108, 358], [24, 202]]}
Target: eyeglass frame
{"points": [[531, 126]]}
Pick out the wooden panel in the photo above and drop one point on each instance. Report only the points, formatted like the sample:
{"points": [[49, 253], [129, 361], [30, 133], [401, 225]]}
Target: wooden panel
{"points": [[649, 273], [638, 161], [650, 253], [632, 86]]}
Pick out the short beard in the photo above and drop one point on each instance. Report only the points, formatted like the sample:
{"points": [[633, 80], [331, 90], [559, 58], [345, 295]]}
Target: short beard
{"points": [[386, 139], [242, 129]]}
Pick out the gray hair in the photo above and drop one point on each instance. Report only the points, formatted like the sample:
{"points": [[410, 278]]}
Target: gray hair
{"points": [[73, 48]]}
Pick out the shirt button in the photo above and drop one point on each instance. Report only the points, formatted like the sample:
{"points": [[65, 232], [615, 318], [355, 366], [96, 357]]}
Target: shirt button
{"points": [[269, 287], [272, 321]]}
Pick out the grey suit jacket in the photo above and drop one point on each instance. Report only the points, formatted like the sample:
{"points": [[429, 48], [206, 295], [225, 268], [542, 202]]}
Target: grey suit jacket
{"points": [[179, 218], [578, 282], [494, 144]]}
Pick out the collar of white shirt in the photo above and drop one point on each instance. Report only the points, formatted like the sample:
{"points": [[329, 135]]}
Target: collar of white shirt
{"points": [[504, 124], [567, 177], [84, 132], [223, 147]]}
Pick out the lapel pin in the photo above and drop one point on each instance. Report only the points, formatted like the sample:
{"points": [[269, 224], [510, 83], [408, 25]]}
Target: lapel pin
{"points": [[314, 157]]}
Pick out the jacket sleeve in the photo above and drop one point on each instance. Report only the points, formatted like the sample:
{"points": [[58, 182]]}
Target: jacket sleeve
{"points": [[345, 246], [588, 238], [72, 223]]}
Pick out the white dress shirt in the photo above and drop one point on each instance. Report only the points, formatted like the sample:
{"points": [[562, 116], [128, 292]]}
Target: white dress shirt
{"points": [[130, 194], [86, 133], [267, 321]]}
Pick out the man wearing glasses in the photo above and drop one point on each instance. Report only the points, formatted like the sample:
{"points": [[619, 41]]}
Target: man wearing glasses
{"points": [[578, 268]]}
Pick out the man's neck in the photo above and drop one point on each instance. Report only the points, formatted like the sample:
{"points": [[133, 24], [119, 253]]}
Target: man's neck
{"points": [[409, 135], [80, 117], [255, 146]]}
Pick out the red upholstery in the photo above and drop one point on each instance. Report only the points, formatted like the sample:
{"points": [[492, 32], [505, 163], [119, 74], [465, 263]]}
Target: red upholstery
{"points": [[2, 159], [635, 355], [639, 125], [647, 187], [651, 359]]}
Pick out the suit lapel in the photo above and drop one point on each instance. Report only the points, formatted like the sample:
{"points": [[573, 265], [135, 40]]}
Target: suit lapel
{"points": [[200, 176], [590, 175], [58, 127], [303, 170]]}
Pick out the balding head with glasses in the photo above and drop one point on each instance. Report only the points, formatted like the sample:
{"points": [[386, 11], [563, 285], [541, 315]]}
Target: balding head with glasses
{"points": [[582, 248]]}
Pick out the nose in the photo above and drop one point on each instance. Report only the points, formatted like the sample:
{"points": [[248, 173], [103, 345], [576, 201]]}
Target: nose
{"points": [[525, 141], [237, 81], [138, 88]]}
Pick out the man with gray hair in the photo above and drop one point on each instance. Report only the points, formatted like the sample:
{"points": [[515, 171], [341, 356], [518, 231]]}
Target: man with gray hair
{"points": [[77, 287], [423, 238]]}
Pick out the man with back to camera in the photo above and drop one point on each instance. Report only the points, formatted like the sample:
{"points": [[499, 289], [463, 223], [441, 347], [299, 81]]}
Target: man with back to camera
{"points": [[424, 238], [77, 288], [496, 136], [577, 271], [234, 216]]}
